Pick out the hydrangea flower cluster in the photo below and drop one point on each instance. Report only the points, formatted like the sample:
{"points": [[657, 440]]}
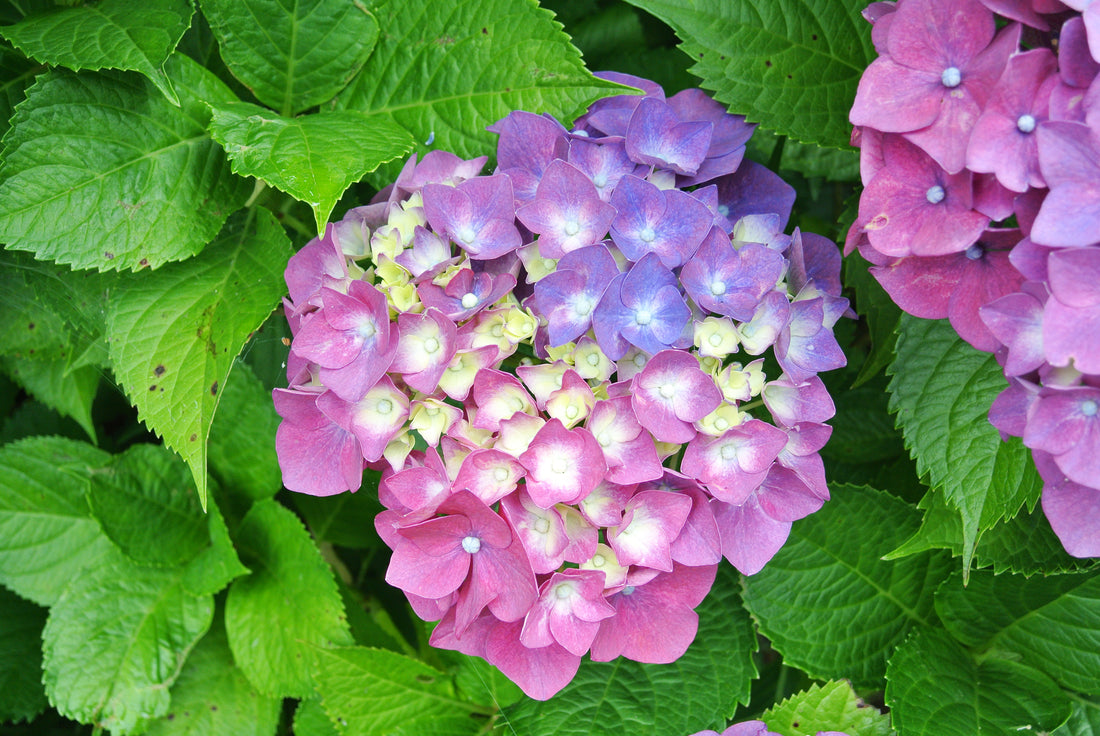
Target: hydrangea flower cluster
{"points": [[756, 728], [559, 369], [980, 156]]}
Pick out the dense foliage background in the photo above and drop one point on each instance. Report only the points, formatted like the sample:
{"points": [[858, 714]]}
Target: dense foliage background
{"points": [[162, 162]]}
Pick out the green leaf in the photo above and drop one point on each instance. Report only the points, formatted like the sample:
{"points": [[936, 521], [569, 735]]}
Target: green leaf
{"points": [[16, 74], [174, 333], [941, 390], [242, 450], [935, 689], [347, 519], [136, 35], [61, 312], [310, 719], [278, 617], [792, 65], [47, 534], [1023, 544], [69, 392], [217, 565], [371, 692], [876, 306], [21, 694], [145, 501], [101, 171], [1051, 623], [292, 56], [833, 706], [829, 604], [699, 690], [115, 642], [213, 698], [313, 158], [1084, 721], [806, 159], [486, 58], [862, 429]]}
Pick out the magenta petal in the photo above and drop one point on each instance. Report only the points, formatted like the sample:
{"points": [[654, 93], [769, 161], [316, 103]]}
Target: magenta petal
{"points": [[655, 622], [896, 99], [541, 672], [749, 536], [1073, 511]]}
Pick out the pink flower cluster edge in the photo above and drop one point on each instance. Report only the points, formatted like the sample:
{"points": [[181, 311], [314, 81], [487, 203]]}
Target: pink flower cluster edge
{"points": [[979, 133], [559, 369]]}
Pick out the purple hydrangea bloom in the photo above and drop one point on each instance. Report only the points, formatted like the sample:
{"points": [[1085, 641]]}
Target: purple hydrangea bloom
{"points": [[642, 307], [669, 223]]}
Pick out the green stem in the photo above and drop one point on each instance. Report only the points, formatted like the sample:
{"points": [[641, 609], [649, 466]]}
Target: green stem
{"points": [[257, 190], [297, 225]]}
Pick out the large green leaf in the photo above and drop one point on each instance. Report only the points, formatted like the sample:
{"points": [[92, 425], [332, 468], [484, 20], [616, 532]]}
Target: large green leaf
{"points": [[278, 617], [242, 447], [213, 698], [21, 694], [61, 312], [1084, 721], [833, 706], [47, 534], [137, 35], [934, 688], [1051, 623], [175, 332], [101, 171], [346, 519], [829, 604], [792, 65], [942, 390], [145, 501], [373, 692], [699, 690], [1023, 544], [116, 640], [16, 74], [292, 54], [69, 392], [313, 158], [474, 61]]}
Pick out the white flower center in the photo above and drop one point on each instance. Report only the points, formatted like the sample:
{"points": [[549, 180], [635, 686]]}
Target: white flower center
{"points": [[600, 180], [715, 339], [559, 465], [563, 591], [471, 544], [628, 590], [466, 235], [604, 438], [667, 390], [571, 412], [951, 77], [542, 525], [592, 359], [728, 452], [385, 406], [935, 194], [643, 317], [717, 288], [1025, 123], [572, 228], [647, 235], [500, 475], [431, 345], [721, 425], [1089, 407]]}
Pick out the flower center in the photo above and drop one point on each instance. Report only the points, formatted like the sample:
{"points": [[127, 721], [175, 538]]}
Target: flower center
{"points": [[431, 345], [600, 180], [640, 360], [1025, 123], [571, 412], [1089, 407], [666, 390], [715, 340], [563, 591], [604, 439], [367, 329], [935, 194], [643, 317], [718, 288], [724, 210], [572, 228], [583, 307], [647, 235], [721, 425], [467, 235], [628, 590], [500, 475], [471, 544], [951, 77], [469, 300], [728, 452], [385, 406], [559, 465], [542, 525], [975, 251], [592, 359]]}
